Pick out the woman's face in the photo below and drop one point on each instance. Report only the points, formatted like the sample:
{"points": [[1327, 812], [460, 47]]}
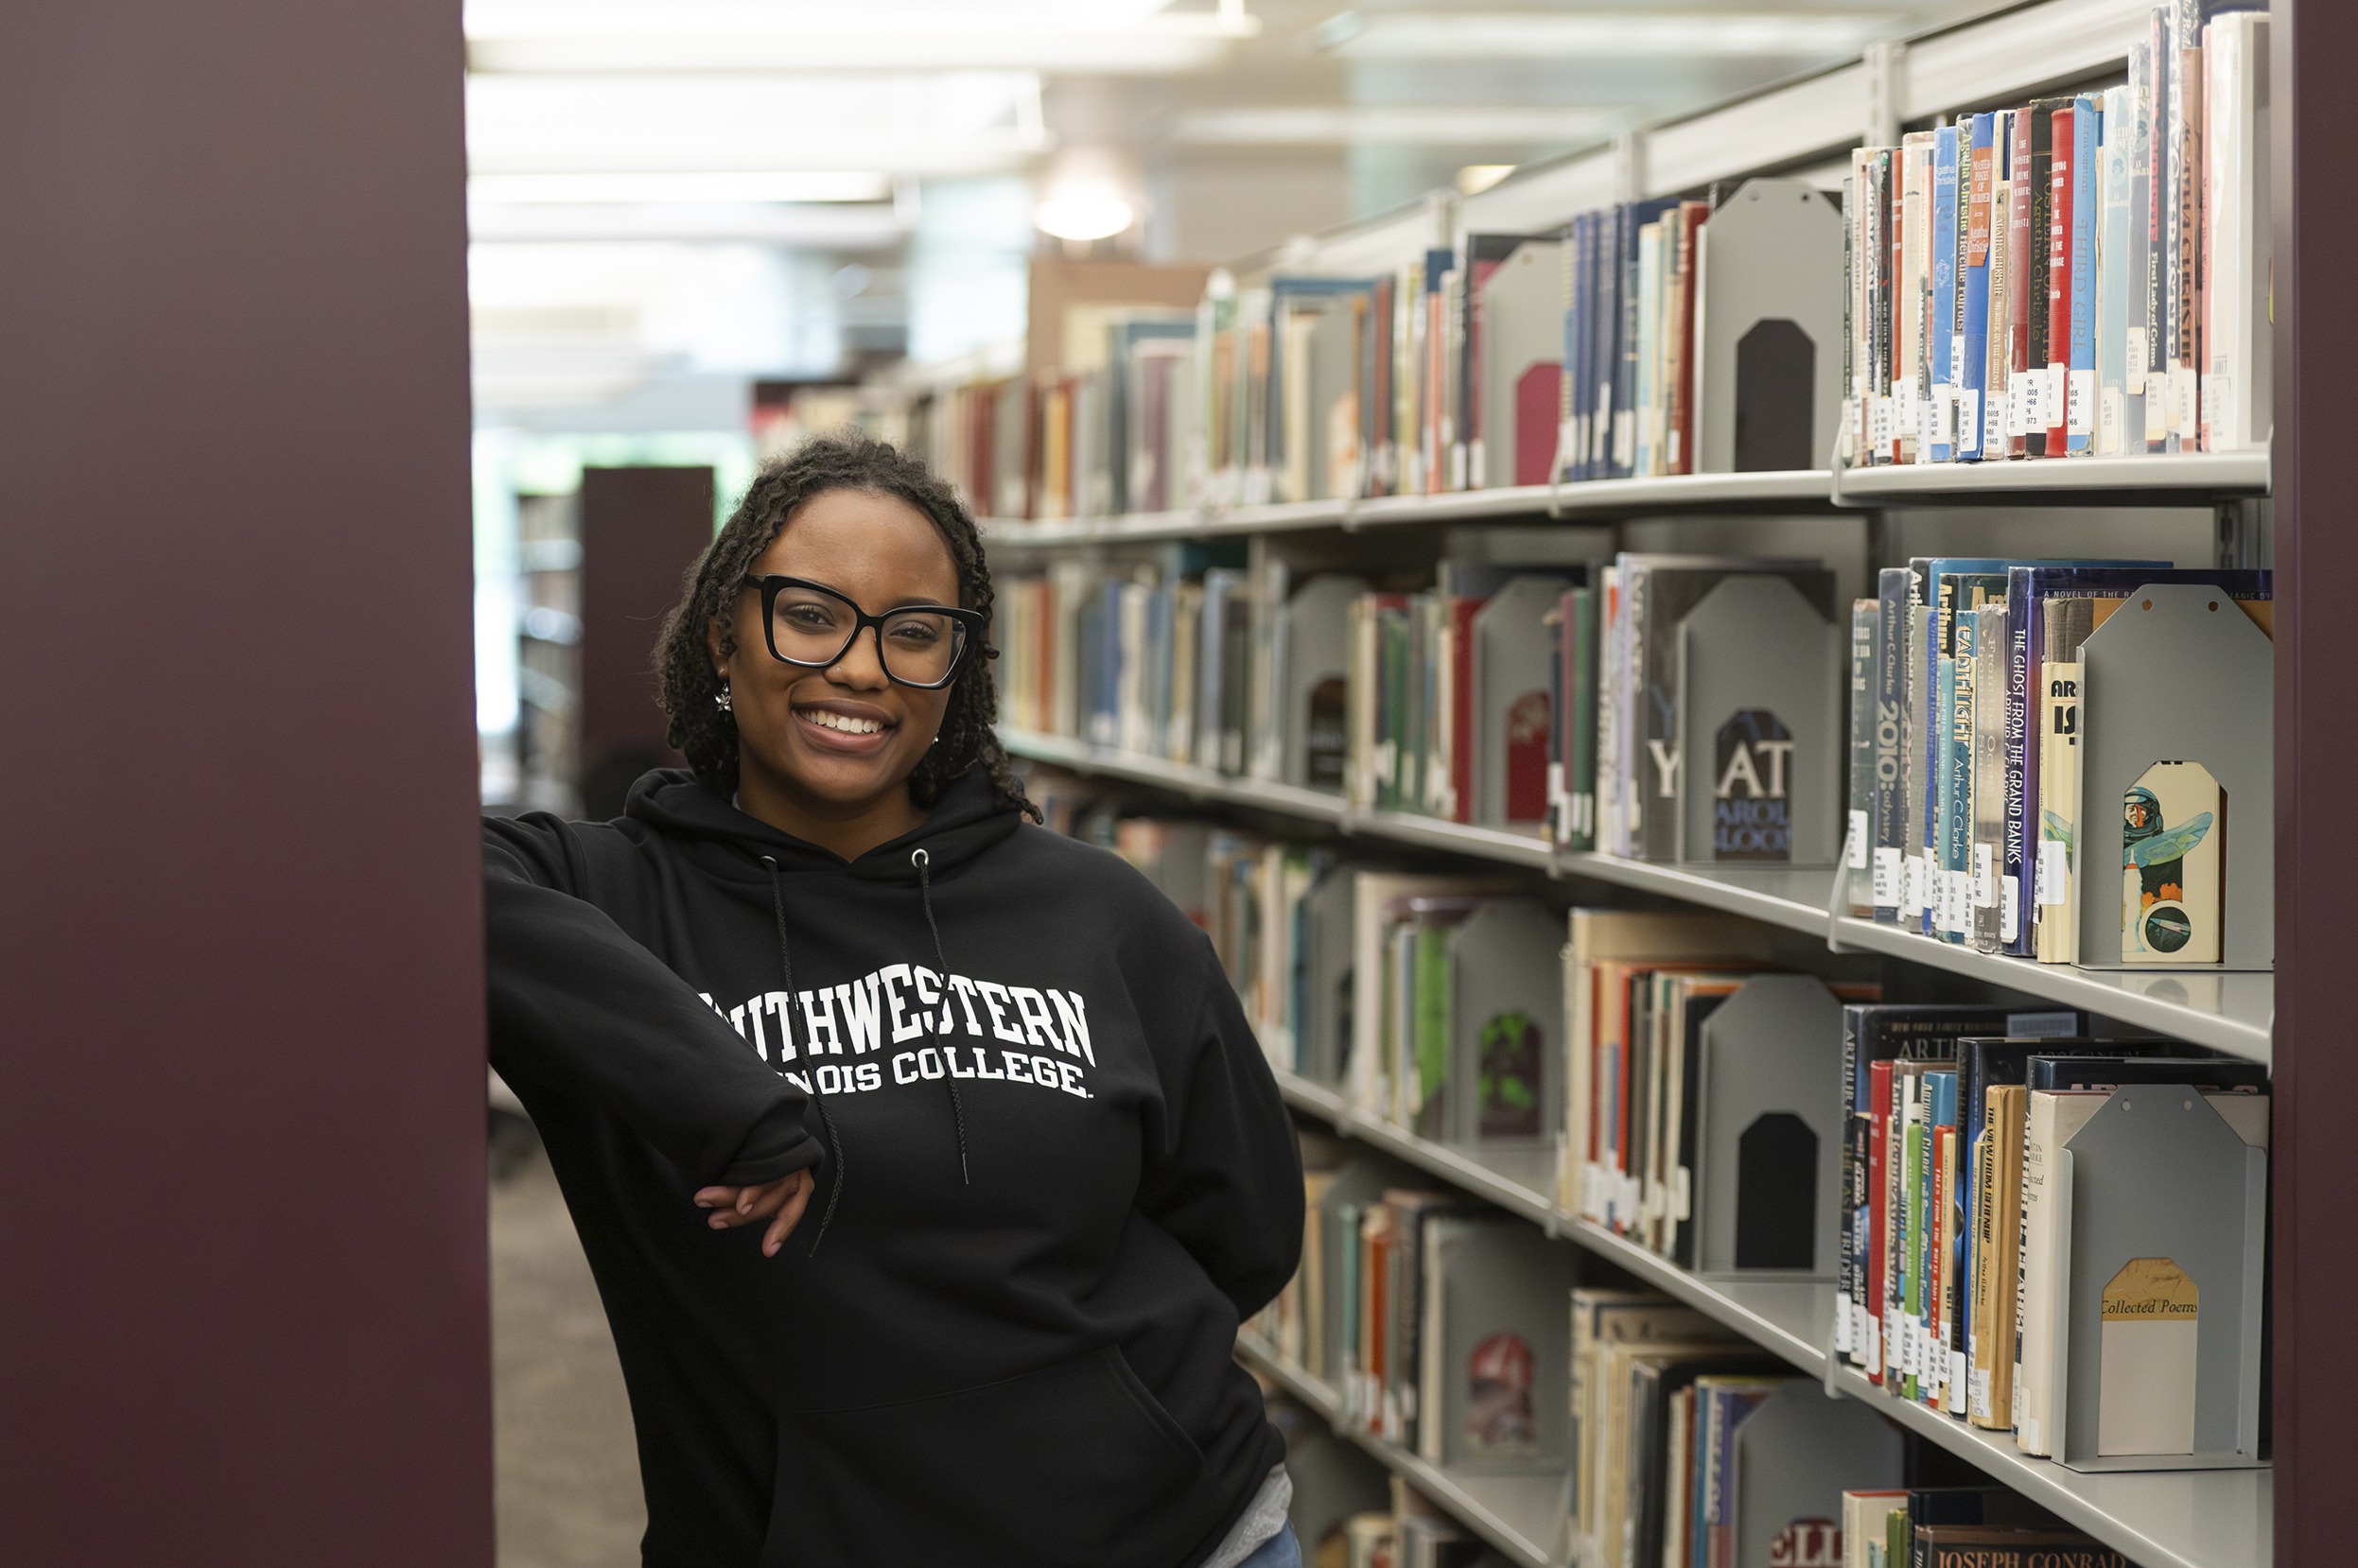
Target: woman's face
{"points": [[846, 737]]}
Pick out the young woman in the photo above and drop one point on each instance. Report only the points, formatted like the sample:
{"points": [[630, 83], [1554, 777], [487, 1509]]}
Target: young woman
{"points": [[831, 987]]}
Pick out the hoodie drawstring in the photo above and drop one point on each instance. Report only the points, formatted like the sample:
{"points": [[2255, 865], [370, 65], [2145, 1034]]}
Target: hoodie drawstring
{"points": [[834, 1142], [923, 862]]}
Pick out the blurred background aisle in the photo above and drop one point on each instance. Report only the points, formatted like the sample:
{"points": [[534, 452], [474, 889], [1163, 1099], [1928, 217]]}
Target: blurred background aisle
{"points": [[567, 1472]]}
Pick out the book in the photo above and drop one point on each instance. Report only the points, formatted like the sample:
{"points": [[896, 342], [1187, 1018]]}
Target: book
{"points": [[1970, 1547]]}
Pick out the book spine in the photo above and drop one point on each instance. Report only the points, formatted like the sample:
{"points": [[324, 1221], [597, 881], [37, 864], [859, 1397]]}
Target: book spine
{"points": [[1891, 661], [1936, 437], [2160, 275], [2058, 808], [1997, 373], [1874, 1248], [1858, 870], [1991, 887], [1977, 177], [2112, 346], [2187, 170], [1916, 1156], [1930, 748], [2024, 281], [2034, 1302], [2055, 395], [1958, 813], [2021, 770], [2080, 396], [1895, 1316], [1852, 1184], [1916, 893]]}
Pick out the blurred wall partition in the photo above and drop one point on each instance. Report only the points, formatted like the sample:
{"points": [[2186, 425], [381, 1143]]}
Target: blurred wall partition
{"points": [[642, 530]]}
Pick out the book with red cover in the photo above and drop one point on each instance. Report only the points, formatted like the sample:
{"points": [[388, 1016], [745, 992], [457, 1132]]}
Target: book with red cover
{"points": [[2020, 283], [1879, 1149], [2063, 176]]}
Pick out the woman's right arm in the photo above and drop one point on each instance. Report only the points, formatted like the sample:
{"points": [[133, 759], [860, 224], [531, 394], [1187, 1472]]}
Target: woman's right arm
{"points": [[580, 1010]]}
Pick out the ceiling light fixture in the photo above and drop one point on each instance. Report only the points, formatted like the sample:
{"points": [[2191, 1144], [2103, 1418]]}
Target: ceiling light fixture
{"points": [[1083, 212]]}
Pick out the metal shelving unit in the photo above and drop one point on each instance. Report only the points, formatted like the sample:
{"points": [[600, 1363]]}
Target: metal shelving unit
{"points": [[2190, 479], [2171, 1519], [2161, 1519], [1801, 489], [2220, 1012]]}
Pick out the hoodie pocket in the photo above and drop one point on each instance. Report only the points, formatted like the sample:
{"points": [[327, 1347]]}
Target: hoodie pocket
{"points": [[1074, 1465]]}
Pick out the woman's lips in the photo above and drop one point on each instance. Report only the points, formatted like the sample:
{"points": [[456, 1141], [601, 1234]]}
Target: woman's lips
{"points": [[819, 726]]}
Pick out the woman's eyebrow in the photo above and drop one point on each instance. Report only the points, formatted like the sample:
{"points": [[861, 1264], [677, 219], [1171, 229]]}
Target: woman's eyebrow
{"points": [[913, 600]]}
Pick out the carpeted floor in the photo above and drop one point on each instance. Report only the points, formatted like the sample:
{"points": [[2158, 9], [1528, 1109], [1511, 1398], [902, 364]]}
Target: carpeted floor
{"points": [[567, 1472]]}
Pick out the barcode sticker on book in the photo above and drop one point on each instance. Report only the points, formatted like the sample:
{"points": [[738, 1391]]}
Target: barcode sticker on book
{"points": [[2009, 920], [2080, 402], [1888, 877], [2055, 872], [1984, 883], [1969, 420], [1856, 842], [1958, 912]]}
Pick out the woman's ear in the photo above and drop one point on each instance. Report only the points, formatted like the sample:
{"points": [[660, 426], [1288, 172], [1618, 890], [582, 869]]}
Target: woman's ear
{"points": [[713, 646]]}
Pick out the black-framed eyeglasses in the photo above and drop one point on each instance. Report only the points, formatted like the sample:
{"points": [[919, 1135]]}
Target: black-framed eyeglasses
{"points": [[812, 627]]}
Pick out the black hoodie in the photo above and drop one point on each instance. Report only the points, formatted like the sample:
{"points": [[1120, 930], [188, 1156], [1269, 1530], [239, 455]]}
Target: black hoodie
{"points": [[1047, 1190]]}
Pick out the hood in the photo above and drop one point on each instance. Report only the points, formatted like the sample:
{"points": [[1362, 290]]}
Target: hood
{"points": [[970, 818]]}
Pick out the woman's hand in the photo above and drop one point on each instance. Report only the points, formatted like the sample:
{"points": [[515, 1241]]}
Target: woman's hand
{"points": [[781, 1202]]}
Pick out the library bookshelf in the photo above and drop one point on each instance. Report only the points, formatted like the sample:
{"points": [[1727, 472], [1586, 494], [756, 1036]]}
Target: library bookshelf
{"points": [[2162, 1518]]}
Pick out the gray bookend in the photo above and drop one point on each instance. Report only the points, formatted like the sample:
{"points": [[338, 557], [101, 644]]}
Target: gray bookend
{"points": [[1523, 330], [1795, 1456], [1512, 658], [1505, 1338], [1769, 330], [1316, 639], [1767, 1136], [1320, 1047], [2164, 1203], [1507, 997], [2180, 675], [1761, 766]]}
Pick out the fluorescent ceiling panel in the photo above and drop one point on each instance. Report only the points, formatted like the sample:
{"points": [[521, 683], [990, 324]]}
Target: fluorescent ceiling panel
{"points": [[943, 123], [709, 186], [1590, 35], [1450, 125], [1121, 36]]}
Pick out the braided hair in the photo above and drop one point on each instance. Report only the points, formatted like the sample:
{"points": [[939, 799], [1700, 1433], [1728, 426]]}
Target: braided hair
{"points": [[846, 461]]}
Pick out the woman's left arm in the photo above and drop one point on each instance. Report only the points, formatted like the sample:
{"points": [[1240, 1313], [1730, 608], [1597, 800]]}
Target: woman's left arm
{"points": [[1224, 1171]]}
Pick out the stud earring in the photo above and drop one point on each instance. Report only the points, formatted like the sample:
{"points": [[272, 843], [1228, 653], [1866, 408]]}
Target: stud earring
{"points": [[722, 701]]}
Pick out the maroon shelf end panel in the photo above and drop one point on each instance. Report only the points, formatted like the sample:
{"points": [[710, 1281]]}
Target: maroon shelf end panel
{"points": [[242, 1267]]}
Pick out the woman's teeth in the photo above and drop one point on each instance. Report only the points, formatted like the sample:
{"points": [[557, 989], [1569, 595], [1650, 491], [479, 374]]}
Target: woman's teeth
{"points": [[842, 722]]}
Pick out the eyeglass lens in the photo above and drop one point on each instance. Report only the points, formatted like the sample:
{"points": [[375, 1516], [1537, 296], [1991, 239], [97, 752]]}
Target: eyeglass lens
{"points": [[921, 647]]}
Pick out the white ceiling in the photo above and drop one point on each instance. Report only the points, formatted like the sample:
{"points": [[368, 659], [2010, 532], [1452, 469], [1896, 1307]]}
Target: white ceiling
{"points": [[775, 188]]}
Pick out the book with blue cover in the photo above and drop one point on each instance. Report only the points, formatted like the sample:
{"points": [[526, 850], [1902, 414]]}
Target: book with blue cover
{"points": [[1977, 184], [2080, 403], [2112, 251]]}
